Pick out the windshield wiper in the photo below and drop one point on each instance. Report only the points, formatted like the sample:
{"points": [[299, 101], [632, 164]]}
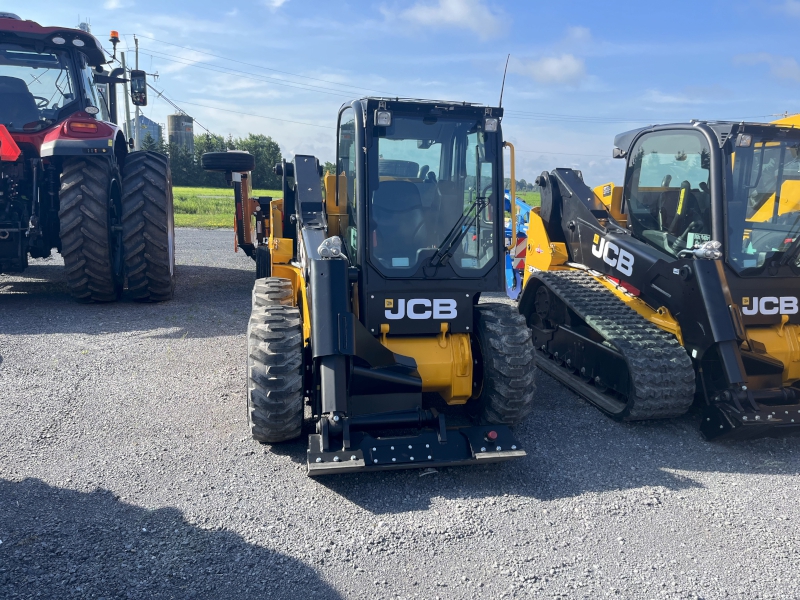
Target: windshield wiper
{"points": [[456, 234]]}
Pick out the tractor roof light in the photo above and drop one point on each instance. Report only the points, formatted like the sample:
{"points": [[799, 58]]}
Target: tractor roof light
{"points": [[490, 124], [59, 40], [78, 42], [383, 118]]}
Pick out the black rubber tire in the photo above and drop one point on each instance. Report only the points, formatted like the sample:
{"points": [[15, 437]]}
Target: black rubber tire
{"points": [[148, 227], [272, 291], [237, 161], [274, 365], [263, 263], [507, 364], [89, 211]]}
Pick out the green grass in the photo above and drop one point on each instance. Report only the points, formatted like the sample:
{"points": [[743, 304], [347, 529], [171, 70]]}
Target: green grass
{"points": [[532, 198], [208, 207]]}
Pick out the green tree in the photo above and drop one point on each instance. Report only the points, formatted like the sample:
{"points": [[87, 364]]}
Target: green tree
{"points": [[149, 144], [329, 168], [208, 142], [267, 153]]}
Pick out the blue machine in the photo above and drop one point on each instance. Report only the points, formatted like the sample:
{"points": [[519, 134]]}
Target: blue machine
{"points": [[514, 276]]}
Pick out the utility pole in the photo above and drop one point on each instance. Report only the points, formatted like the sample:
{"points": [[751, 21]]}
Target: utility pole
{"points": [[136, 125], [127, 98]]}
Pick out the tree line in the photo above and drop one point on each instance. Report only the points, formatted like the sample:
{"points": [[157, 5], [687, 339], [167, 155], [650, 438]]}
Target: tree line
{"points": [[187, 169]]}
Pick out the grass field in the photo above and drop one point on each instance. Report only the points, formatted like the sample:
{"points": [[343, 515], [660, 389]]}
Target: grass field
{"points": [[207, 207], [532, 198], [213, 207]]}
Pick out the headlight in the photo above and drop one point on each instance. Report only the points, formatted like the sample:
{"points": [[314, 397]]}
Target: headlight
{"points": [[383, 118], [490, 124]]}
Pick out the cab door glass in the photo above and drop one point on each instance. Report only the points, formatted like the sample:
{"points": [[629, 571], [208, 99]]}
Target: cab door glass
{"points": [[667, 190], [347, 169]]}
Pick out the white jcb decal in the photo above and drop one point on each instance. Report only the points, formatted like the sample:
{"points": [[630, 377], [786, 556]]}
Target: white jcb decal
{"points": [[613, 255], [422, 308], [770, 305]]}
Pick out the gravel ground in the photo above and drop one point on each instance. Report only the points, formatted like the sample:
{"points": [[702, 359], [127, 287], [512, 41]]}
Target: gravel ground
{"points": [[126, 471]]}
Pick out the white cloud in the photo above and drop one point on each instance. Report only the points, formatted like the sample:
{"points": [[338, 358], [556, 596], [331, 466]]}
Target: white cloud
{"points": [[659, 97], [782, 67], [473, 15], [561, 69], [275, 4], [790, 7], [115, 4]]}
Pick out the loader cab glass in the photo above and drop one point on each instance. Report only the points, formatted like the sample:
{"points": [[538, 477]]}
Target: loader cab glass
{"points": [[667, 190], [433, 171], [763, 208], [346, 168], [36, 88], [139, 88]]}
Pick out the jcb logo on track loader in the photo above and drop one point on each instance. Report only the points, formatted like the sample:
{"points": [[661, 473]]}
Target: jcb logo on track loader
{"points": [[613, 255], [421, 308], [770, 305]]}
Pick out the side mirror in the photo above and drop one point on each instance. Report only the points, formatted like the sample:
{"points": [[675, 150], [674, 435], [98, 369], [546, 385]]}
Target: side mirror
{"points": [[139, 88]]}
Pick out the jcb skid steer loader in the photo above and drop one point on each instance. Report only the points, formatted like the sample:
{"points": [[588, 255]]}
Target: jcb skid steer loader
{"points": [[683, 285], [369, 310]]}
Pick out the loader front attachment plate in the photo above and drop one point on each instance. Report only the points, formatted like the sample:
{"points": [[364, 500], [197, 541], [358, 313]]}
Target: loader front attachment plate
{"points": [[429, 448], [726, 422]]}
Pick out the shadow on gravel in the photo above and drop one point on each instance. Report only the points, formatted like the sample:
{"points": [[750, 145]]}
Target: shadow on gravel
{"points": [[209, 301], [573, 449], [60, 543]]}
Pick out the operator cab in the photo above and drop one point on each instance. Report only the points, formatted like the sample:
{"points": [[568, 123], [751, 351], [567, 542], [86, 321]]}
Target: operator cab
{"points": [[738, 184], [430, 198]]}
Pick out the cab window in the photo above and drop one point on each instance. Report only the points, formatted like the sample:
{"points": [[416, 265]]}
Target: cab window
{"points": [[347, 168], [667, 190]]}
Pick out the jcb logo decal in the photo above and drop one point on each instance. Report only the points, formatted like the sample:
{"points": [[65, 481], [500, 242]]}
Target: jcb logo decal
{"points": [[770, 305], [613, 255], [421, 308]]}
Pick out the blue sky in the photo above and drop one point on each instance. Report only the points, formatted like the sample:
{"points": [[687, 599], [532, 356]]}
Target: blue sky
{"points": [[580, 72]]}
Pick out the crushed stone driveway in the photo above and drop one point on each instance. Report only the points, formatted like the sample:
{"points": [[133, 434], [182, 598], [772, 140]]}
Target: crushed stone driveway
{"points": [[127, 471]]}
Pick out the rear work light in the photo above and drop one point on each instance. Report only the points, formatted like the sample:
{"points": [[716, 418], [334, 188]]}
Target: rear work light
{"points": [[79, 127]]}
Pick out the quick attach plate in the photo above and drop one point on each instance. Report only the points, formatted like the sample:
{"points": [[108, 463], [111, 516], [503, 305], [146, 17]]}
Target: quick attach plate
{"points": [[463, 446]]}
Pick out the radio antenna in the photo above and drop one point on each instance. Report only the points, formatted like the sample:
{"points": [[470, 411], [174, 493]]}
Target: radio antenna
{"points": [[503, 87]]}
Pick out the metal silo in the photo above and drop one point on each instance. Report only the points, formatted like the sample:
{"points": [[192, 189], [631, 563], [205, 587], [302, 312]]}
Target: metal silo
{"points": [[180, 129]]}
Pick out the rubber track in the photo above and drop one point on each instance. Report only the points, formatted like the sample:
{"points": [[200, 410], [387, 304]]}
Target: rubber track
{"points": [[148, 228], [661, 371], [83, 217], [509, 373], [274, 363]]}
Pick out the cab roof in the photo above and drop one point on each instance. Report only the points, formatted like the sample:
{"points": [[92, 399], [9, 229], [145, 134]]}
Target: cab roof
{"points": [[30, 33], [723, 130]]}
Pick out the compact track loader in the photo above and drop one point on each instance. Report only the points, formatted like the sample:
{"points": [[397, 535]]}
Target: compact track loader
{"points": [[367, 308], [680, 287]]}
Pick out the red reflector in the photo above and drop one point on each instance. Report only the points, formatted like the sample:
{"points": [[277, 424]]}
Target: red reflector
{"points": [[629, 288], [614, 279], [9, 151], [491, 436], [79, 127]]}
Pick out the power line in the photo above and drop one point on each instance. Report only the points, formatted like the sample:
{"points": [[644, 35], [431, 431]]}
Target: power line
{"points": [[254, 115], [242, 74], [263, 67]]}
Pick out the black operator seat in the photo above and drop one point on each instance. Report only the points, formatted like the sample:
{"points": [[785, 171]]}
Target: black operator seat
{"points": [[17, 104], [398, 221]]}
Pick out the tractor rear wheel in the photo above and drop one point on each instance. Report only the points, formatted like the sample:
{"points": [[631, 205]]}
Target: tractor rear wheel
{"points": [[148, 227], [91, 239], [506, 363], [274, 364]]}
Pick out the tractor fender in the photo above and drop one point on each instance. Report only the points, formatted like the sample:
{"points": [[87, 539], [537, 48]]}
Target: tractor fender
{"points": [[83, 135]]}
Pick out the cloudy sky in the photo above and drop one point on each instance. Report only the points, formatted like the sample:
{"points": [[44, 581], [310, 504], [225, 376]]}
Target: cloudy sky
{"points": [[579, 73]]}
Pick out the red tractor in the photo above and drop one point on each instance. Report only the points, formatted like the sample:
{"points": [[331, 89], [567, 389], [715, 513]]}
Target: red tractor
{"points": [[68, 178]]}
